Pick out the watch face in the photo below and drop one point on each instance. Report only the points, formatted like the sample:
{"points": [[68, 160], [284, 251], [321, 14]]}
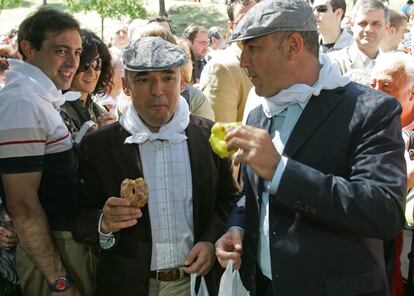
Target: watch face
{"points": [[61, 284]]}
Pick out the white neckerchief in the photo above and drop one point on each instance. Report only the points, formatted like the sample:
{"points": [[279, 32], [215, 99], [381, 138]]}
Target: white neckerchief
{"points": [[329, 78], [22, 73], [173, 131], [71, 96]]}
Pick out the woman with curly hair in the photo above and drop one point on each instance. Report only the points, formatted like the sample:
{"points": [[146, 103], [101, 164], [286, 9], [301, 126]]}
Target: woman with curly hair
{"points": [[93, 77]]}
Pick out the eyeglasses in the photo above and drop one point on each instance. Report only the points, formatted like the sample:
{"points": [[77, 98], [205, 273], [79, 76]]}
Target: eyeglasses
{"points": [[96, 64], [321, 8]]}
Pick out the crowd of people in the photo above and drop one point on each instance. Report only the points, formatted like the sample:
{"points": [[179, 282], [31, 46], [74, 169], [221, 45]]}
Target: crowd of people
{"points": [[316, 200]]}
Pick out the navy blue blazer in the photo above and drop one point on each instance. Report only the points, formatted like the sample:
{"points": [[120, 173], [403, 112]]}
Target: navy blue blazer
{"points": [[340, 196]]}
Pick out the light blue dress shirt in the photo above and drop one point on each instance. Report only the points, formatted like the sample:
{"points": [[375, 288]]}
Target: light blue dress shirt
{"points": [[281, 128]]}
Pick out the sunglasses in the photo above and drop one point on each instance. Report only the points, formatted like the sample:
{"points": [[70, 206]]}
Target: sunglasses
{"points": [[96, 64], [321, 8]]}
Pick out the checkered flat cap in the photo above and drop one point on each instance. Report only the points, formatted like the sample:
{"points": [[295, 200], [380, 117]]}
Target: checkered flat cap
{"points": [[153, 54], [271, 16]]}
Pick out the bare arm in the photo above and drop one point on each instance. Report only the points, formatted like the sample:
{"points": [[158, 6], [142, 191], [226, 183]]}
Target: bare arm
{"points": [[31, 224]]}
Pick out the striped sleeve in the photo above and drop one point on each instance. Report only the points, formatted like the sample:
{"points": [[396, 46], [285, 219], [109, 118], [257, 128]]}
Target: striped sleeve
{"points": [[22, 137]]}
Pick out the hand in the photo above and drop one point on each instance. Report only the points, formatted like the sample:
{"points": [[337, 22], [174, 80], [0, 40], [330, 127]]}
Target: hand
{"points": [[200, 259], [230, 246], [72, 291], [8, 238], [410, 170], [256, 150], [118, 214], [106, 119]]}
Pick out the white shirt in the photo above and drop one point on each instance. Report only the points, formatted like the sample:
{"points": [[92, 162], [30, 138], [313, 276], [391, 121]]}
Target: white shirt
{"points": [[167, 171]]}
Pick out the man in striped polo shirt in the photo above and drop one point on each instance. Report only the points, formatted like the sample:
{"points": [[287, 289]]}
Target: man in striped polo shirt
{"points": [[37, 163]]}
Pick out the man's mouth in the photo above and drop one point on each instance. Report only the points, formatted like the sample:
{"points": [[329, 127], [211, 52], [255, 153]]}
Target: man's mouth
{"points": [[66, 74]]}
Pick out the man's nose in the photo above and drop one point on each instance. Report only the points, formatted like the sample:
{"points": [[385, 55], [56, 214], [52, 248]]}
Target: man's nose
{"points": [[73, 59], [156, 88], [244, 59]]}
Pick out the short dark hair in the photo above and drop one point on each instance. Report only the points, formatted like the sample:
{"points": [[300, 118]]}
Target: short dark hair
{"points": [[161, 19], [363, 6], [214, 32], [191, 32], [336, 4], [397, 18], [45, 20], [310, 40], [93, 46]]}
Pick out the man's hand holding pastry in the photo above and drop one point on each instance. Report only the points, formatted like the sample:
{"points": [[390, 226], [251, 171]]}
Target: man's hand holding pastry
{"points": [[118, 214]]}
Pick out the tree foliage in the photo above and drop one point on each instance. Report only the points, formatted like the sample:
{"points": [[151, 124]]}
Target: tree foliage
{"points": [[184, 15], [10, 3], [110, 8]]}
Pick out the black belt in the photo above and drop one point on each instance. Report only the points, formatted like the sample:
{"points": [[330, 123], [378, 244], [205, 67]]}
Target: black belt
{"points": [[168, 275]]}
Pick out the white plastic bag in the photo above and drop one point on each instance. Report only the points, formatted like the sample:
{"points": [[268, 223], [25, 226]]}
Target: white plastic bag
{"points": [[231, 284], [202, 291]]}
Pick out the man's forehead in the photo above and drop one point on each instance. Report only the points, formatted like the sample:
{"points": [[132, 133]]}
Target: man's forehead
{"points": [[372, 15], [66, 36], [202, 35]]}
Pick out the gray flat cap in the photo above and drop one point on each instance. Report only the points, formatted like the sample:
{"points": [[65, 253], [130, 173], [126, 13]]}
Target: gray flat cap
{"points": [[271, 16], [153, 54]]}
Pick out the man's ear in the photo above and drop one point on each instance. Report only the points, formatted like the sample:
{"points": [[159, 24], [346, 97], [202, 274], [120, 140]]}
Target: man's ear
{"points": [[391, 29], [125, 86], [27, 49], [294, 45], [339, 12], [182, 84]]}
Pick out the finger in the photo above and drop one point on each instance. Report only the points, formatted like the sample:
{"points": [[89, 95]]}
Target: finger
{"points": [[122, 218], [192, 255], [245, 132], [116, 201], [195, 266], [119, 211], [240, 143]]}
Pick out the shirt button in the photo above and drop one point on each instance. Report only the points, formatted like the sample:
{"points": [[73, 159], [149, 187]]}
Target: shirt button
{"points": [[276, 276], [274, 233]]}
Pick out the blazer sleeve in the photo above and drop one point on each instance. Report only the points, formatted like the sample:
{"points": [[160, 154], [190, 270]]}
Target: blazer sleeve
{"points": [[85, 228], [370, 201]]}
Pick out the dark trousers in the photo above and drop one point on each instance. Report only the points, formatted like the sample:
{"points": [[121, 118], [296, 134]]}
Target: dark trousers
{"points": [[263, 284], [8, 289]]}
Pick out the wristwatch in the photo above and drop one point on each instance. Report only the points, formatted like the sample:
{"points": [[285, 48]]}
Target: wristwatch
{"points": [[61, 283]]}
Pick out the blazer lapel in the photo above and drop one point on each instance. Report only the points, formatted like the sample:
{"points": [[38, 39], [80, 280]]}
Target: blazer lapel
{"points": [[311, 118], [199, 163], [127, 155]]}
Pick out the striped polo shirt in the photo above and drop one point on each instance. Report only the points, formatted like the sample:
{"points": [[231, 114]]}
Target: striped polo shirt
{"points": [[34, 138]]}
